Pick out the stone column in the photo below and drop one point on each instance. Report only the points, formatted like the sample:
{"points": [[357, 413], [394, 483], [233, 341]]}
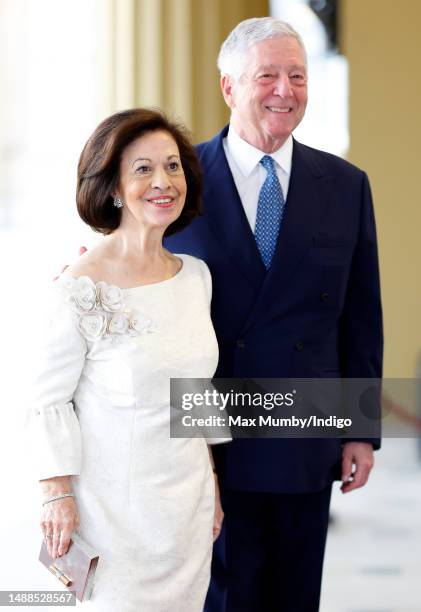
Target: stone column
{"points": [[163, 53]]}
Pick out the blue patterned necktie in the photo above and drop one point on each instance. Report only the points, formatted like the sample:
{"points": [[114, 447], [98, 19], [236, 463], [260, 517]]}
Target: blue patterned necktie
{"points": [[270, 210]]}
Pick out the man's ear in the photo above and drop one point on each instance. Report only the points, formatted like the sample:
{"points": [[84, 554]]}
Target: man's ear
{"points": [[227, 87]]}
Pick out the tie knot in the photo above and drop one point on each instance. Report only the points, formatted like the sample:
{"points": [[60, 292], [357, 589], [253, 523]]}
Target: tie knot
{"points": [[268, 164]]}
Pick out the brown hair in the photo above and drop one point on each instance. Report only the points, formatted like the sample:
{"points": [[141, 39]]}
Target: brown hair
{"points": [[98, 168]]}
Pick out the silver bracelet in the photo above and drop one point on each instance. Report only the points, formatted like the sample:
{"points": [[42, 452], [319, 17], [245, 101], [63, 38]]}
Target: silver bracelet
{"points": [[62, 496]]}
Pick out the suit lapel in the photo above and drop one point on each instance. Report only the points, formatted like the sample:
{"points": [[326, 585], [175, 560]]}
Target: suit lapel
{"points": [[308, 196], [307, 201], [225, 213]]}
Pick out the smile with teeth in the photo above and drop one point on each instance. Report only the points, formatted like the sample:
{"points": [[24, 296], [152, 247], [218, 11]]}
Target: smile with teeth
{"points": [[163, 202], [278, 109]]}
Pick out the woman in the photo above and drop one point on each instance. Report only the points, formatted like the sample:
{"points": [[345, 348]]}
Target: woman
{"points": [[124, 319]]}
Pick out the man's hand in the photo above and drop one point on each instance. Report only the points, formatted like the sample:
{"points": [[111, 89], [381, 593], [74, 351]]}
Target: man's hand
{"points": [[81, 251], [360, 456]]}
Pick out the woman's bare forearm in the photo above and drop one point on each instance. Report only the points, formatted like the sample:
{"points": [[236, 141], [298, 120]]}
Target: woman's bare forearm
{"points": [[56, 486]]}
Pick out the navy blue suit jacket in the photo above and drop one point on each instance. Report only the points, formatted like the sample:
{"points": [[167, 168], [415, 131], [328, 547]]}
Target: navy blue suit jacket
{"points": [[315, 313]]}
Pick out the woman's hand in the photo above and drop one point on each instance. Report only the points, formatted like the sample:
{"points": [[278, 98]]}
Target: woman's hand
{"points": [[59, 518], [219, 513]]}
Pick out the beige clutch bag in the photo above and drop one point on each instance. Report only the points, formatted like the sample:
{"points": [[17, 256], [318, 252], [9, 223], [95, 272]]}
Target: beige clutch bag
{"points": [[76, 569]]}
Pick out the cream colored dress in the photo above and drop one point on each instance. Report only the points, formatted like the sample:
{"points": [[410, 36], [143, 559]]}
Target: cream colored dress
{"points": [[101, 413]]}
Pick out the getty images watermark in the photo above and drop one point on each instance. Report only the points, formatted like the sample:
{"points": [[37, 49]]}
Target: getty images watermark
{"points": [[305, 408], [267, 401]]}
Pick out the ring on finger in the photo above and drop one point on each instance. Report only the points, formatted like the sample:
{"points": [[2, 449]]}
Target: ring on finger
{"points": [[48, 536]]}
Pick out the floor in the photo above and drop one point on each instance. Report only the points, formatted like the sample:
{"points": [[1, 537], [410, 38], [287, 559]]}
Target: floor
{"points": [[373, 556]]}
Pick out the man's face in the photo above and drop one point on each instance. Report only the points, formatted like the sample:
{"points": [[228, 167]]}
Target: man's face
{"points": [[269, 100]]}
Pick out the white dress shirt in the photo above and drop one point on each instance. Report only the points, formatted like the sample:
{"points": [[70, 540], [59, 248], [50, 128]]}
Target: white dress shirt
{"points": [[249, 175]]}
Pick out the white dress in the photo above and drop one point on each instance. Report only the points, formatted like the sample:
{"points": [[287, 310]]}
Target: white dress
{"points": [[101, 413]]}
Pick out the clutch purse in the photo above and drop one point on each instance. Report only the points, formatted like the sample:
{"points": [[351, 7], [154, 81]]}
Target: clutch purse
{"points": [[76, 569]]}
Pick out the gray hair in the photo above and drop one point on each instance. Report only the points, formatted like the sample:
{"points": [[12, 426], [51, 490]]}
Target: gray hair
{"points": [[232, 55]]}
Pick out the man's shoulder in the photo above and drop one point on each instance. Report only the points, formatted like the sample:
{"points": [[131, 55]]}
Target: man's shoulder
{"points": [[325, 162], [213, 145]]}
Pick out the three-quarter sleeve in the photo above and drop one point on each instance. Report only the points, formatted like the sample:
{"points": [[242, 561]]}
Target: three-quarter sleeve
{"points": [[52, 425]]}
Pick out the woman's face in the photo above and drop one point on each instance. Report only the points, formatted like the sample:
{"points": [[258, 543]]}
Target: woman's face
{"points": [[152, 184]]}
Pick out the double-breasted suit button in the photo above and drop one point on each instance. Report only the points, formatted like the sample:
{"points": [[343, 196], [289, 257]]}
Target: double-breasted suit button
{"points": [[299, 346], [241, 343], [324, 296]]}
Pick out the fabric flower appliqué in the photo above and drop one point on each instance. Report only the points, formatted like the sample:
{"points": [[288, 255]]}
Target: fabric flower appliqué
{"points": [[102, 311]]}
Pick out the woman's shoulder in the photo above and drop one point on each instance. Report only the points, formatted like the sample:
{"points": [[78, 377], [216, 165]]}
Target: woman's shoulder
{"points": [[77, 288], [193, 263], [92, 265], [198, 268]]}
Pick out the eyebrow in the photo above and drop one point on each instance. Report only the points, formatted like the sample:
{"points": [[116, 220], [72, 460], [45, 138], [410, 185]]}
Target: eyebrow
{"points": [[276, 66], [149, 160]]}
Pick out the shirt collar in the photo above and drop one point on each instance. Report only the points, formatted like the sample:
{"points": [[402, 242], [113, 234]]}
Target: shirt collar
{"points": [[247, 157]]}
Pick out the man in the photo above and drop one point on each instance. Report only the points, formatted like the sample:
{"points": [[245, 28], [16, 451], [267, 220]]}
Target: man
{"points": [[288, 233]]}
